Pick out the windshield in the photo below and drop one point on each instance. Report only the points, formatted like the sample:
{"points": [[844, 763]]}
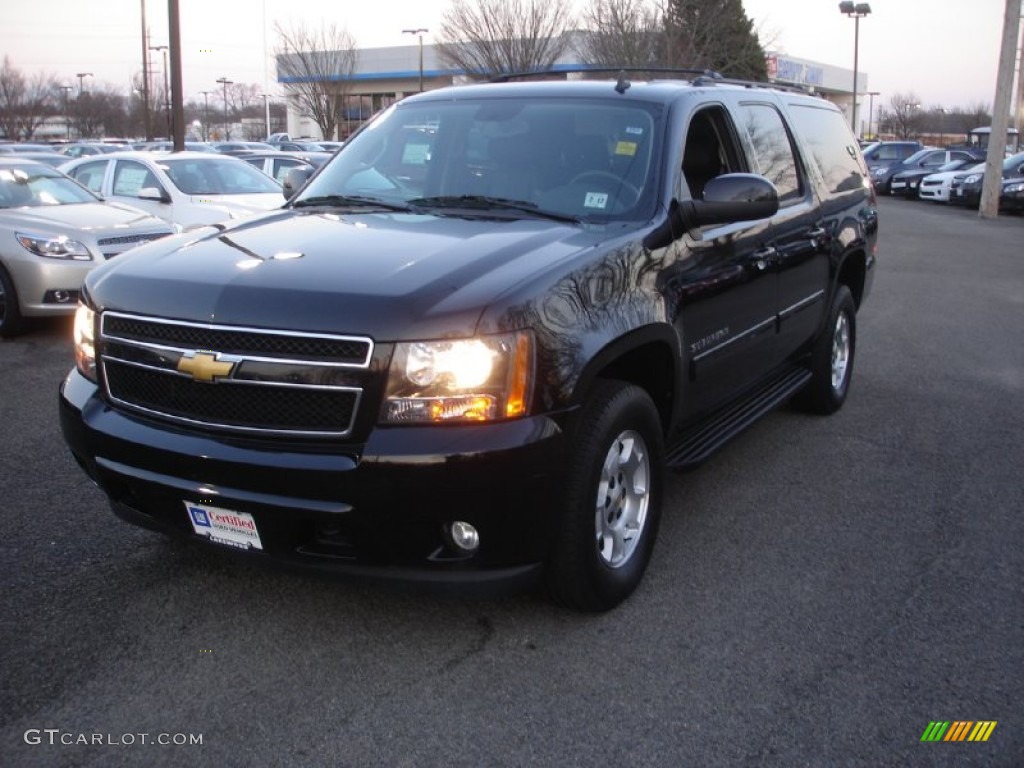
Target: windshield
{"points": [[35, 185], [579, 160], [217, 176], [1013, 162]]}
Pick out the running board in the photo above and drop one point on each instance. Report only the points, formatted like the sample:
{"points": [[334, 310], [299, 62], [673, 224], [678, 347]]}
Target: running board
{"points": [[695, 444]]}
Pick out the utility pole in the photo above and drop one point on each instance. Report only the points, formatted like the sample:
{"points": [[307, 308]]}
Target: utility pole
{"points": [[146, 128], [177, 111], [992, 184]]}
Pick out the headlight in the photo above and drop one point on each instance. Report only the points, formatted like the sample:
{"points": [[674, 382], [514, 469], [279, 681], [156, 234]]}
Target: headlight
{"points": [[54, 246], [85, 341], [972, 178], [463, 380], [1018, 187], [879, 172]]}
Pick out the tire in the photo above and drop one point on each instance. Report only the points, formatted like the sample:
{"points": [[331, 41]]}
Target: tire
{"points": [[612, 500], [11, 321], [832, 358]]}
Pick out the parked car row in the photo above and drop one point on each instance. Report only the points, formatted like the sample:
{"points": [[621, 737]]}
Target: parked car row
{"points": [[907, 169]]}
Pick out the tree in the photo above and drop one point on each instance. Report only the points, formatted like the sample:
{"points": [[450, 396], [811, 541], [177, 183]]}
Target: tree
{"points": [[716, 35], [25, 102], [485, 38], [626, 33], [903, 116], [98, 112], [317, 66]]}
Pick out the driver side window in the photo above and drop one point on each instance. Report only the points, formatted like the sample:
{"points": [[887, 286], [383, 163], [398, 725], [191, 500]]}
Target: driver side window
{"points": [[710, 150]]}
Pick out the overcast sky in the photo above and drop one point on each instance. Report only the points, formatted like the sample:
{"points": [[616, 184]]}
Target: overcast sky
{"points": [[944, 51]]}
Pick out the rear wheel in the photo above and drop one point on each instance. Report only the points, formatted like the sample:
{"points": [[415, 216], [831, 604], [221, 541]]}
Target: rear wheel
{"points": [[832, 358], [11, 321], [612, 501]]}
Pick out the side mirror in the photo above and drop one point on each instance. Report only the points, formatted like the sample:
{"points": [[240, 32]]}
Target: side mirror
{"points": [[293, 181], [732, 197], [155, 194]]}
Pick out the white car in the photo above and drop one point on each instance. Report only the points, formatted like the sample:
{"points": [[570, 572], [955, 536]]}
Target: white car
{"points": [[52, 232], [936, 187], [187, 189]]}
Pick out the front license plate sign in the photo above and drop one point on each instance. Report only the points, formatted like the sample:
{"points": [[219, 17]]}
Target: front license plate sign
{"points": [[224, 526]]}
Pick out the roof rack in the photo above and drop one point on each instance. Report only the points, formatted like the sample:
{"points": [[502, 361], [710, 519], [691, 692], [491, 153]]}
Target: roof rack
{"points": [[701, 73], [703, 77]]}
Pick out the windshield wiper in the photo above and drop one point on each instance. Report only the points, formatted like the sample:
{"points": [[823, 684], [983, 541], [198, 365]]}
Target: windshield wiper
{"points": [[350, 201], [485, 203]]}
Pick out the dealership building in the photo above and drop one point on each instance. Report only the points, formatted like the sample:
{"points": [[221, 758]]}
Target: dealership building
{"points": [[382, 76]]}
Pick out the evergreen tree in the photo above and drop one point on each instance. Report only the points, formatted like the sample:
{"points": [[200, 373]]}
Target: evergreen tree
{"points": [[716, 35]]}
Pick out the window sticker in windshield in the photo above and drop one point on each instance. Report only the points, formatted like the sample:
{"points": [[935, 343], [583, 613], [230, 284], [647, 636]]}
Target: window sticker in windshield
{"points": [[415, 154], [596, 200], [626, 148]]}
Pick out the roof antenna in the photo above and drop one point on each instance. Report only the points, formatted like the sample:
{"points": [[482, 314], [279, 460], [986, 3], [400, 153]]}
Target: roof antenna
{"points": [[623, 84]]}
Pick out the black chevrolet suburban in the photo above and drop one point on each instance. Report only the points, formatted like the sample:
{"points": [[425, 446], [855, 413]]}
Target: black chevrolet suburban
{"points": [[466, 351]]}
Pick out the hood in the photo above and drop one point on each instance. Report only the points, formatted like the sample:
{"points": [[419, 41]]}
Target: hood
{"points": [[242, 204], [388, 276], [99, 219]]}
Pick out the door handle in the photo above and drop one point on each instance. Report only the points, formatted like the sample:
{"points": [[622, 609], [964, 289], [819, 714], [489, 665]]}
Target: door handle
{"points": [[763, 257], [817, 236]]}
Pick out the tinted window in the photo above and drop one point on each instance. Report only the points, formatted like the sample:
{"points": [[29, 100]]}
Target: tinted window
{"points": [[832, 146], [773, 152]]}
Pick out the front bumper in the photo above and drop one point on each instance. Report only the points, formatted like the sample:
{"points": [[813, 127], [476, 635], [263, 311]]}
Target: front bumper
{"points": [[378, 510], [47, 286]]}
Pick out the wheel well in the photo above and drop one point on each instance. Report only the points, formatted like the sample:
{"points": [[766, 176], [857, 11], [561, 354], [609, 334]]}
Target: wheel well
{"points": [[649, 367], [852, 275]]}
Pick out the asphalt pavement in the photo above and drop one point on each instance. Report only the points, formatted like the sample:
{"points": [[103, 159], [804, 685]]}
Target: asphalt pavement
{"points": [[822, 590]]}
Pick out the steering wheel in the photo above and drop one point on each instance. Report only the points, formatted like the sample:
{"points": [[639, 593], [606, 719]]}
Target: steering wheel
{"points": [[617, 182]]}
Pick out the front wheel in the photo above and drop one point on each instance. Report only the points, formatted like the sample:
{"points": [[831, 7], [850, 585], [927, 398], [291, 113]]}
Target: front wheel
{"points": [[11, 321], [612, 499], [832, 358]]}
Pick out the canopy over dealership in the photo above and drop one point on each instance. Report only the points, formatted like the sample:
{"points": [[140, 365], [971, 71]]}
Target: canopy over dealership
{"points": [[382, 76]]}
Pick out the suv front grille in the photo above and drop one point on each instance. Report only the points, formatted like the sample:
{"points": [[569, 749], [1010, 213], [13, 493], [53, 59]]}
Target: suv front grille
{"points": [[234, 379]]}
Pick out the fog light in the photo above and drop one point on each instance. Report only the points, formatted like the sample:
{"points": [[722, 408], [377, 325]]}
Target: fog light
{"points": [[464, 536]]}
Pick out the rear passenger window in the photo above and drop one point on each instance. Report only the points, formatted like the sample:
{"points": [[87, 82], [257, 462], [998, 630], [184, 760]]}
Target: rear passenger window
{"points": [[773, 151], [832, 146]]}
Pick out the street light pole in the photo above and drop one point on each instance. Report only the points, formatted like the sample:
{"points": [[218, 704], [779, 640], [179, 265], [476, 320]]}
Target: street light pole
{"points": [[67, 114], [206, 114], [419, 33], [167, 92], [81, 76], [856, 12], [225, 82], [871, 112]]}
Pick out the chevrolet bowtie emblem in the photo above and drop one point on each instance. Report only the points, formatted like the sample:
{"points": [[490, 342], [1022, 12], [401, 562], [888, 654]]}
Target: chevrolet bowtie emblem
{"points": [[204, 366]]}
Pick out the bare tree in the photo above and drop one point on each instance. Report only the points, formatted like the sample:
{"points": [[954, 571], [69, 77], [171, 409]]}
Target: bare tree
{"points": [[626, 33], [974, 115], [903, 116], [485, 38], [317, 65], [25, 102], [98, 112]]}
